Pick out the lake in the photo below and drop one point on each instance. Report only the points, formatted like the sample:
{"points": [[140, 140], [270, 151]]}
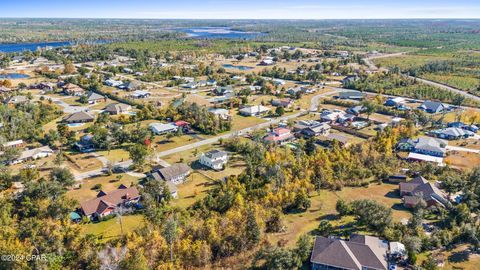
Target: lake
{"points": [[20, 47], [237, 67], [218, 33], [14, 76]]}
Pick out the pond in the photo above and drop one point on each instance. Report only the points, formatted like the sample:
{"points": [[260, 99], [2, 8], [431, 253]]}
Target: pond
{"points": [[218, 33], [20, 47], [14, 76], [237, 67]]}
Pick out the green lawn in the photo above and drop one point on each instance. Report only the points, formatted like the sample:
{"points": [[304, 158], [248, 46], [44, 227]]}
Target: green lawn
{"points": [[112, 229], [323, 207]]}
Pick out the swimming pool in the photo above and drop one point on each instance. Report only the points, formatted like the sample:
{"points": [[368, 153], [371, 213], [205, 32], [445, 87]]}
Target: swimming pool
{"points": [[14, 76], [75, 124], [237, 67]]}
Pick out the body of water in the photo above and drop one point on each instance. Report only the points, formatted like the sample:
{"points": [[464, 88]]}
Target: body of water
{"points": [[218, 33], [20, 47], [14, 76], [237, 67]]}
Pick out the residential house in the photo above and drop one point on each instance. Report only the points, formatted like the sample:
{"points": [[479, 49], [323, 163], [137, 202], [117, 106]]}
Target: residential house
{"points": [[418, 188], [94, 98], [331, 116], [118, 108], [222, 113], [73, 90], [215, 159], [433, 107], [451, 133], [255, 110], [279, 136], [353, 95], [14, 100], [405, 144], [356, 110], [335, 137], [285, 103], [267, 62], [113, 83], [32, 154], [129, 86], [223, 90], [430, 146], [4, 90], [322, 129], [303, 124], [79, 117], [139, 94], [176, 173], [85, 144], [360, 253], [394, 101], [14, 144], [161, 128], [295, 91], [108, 203], [472, 128]]}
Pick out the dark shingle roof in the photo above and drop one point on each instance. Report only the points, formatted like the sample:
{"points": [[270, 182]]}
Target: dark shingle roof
{"points": [[360, 252]]}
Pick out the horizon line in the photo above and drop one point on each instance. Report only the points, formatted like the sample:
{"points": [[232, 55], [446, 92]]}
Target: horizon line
{"points": [[245, 19]]}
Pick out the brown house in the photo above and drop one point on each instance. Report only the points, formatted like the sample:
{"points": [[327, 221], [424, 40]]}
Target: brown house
{"points": [[108, 203], [419, 187]]}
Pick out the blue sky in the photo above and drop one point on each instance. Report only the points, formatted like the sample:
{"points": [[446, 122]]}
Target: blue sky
{"points": [[241, 9]]}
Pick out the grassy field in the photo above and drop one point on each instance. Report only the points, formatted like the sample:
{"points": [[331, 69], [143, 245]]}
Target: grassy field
{"points": [[463, 160], [455, 259], [192, 190], [240, 122], [323, 207], [83, 161], [111, 228]]}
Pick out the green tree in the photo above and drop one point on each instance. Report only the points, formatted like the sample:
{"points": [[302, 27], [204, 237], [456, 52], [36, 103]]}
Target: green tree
{"points": [[138, 153]]}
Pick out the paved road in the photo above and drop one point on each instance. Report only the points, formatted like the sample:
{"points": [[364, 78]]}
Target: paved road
{"points": [[159, 155], [94, 173]]}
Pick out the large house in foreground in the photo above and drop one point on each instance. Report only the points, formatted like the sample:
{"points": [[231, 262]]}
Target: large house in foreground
{"points": [[107, 203], [419, 187], [360, 253], [214, 159]]}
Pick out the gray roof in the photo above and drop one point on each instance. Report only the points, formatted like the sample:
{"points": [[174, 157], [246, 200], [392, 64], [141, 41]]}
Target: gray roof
{"points": [[432, 105], [79, 116], [355, 254], [16, 100], [431, 144], [215, 154], [94, 96], [174, 171], [117, 107]]}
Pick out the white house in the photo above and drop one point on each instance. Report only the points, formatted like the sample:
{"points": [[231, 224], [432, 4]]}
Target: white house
{"points": [[254, 110], [214, 159], [32, 154], [161, 128], [222, 113]]}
